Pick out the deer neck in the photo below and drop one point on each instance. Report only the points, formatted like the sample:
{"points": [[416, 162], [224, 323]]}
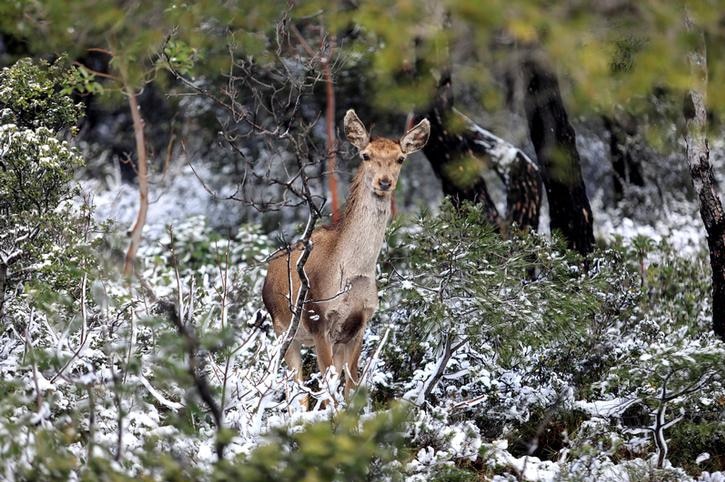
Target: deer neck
{"points": [[362, 229]]}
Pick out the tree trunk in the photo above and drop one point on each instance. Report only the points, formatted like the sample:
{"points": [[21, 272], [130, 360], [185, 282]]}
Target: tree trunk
{"points": [[444, 149], [555, 144], [3, 283], [331, 140], [143, 182], [627, 171], [698, 158], [449, 152], [523, 194]]}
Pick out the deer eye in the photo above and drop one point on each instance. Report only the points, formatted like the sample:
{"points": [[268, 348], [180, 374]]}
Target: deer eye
{"points": [[401, 159], [366, 156]]}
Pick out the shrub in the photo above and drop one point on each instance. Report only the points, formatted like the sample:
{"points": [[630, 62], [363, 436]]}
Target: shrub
{"points": [[36, 169]]}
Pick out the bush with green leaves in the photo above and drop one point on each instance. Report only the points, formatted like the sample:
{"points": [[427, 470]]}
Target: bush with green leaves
{"points": [[36, 170], [34, 93], [521, 302], [349, 446], [520, 338]]}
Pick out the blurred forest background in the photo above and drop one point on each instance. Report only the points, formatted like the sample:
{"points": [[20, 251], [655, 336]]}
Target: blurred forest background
{"points": [[552, 286]]}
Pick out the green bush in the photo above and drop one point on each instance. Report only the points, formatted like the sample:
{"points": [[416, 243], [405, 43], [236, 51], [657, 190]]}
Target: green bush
{"points": [[37, 94], [37, 229]]}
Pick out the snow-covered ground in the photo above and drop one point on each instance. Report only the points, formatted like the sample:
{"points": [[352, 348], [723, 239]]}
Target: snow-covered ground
{"points": [[180, 198]]}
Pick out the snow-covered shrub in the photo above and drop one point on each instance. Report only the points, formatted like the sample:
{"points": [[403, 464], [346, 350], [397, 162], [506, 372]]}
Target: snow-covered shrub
{"points": [[564, 362], [100, 383], [36, 168], [36, 94], [503, 315]]}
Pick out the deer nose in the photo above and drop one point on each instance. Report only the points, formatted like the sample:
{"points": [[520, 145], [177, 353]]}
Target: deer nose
{"points": [[385, 183]]}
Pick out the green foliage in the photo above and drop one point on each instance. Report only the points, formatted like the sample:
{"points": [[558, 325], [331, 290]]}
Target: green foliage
{"points": [[87, 82], [37, 94], [604, 56], [36, 170], [455, 474], [347, 447], [193, 36], [36, 165], [466, 281], [181, 56], [704, 433]]}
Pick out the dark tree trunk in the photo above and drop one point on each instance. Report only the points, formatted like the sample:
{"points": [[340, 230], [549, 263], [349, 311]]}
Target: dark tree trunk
{"points": [[444, 149], [555, 144], [627, 170], [698, 158], [523, 194], [447, 151]]}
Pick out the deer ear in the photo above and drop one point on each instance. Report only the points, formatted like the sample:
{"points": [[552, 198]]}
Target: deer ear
{"points": [[355, 130], [415, 138]]}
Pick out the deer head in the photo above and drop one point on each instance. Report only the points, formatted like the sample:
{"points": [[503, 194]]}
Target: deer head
{"points": [[383, 158]]}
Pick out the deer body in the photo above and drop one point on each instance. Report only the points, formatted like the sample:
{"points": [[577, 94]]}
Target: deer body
{"points": [[341, 266]]}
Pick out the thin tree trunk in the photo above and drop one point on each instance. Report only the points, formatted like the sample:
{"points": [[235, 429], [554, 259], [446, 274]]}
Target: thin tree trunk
{"points": [[331, 140], [626, 169], [143, 182], [698, 158], [555, 144]]}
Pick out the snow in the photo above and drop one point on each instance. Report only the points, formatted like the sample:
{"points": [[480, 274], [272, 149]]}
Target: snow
{"points": [[529, 468], [606, 408], [179, 197], [702, 458], [684, 232]]}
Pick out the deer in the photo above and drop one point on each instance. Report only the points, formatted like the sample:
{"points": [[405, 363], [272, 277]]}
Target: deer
{"points": [[340, 269]]}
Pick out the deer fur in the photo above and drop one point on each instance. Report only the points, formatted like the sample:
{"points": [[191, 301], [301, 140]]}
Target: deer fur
{"points": [[341, 266]]}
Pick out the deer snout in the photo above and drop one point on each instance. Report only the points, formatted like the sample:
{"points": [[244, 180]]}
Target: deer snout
{"points": [[385, 183]]}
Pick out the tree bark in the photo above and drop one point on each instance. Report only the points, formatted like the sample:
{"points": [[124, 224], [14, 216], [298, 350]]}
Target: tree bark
{"points": [[446, 149], [627, 171], [523, 194], [703, 179], [3, 282], [331, 139], [555, 144], [143, 182]]}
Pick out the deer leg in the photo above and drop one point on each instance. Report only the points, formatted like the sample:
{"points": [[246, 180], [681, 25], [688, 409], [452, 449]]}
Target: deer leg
{"points": [[323, 349], [352, 357], [325, 358], [354, 346], [338, 358], [293, 357]]}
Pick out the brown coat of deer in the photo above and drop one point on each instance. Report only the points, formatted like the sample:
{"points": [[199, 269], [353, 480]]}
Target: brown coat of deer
{"points": [[341, 266]]}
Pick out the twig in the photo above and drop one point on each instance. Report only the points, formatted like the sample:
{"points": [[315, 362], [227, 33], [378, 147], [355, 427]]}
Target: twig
{"points": [[370, 365], [158, 395]]}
